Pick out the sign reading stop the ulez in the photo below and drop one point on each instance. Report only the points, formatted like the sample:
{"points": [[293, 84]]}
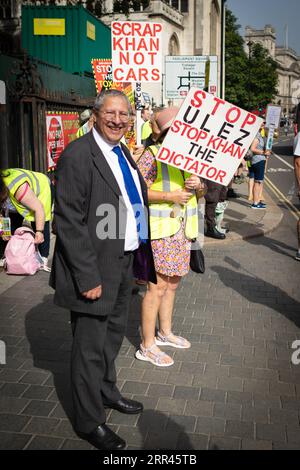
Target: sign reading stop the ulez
{"points": [[136, 51]]}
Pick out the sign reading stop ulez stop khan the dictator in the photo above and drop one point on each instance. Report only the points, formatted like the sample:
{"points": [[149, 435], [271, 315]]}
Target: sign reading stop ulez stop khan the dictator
{"points": [[209, 137]]}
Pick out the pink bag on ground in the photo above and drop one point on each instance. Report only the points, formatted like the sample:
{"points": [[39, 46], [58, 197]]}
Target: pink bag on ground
{"points": [[21, 254]]}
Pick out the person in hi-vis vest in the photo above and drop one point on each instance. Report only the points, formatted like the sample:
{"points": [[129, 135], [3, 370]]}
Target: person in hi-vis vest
{"points": [[26, 194], [173, 224]]}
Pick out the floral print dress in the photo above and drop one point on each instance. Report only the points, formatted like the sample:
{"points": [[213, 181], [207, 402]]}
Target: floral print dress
{"points": [[171, 254]]}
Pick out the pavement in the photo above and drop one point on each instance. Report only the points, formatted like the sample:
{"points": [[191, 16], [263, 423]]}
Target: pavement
{"points": [[236, 388]]}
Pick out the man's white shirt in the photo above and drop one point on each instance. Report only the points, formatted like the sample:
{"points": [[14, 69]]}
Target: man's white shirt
{"points": [[131, 235]]}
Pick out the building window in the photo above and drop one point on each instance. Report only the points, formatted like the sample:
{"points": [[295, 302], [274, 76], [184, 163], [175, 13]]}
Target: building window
{"points": [[184, 6], [174, 45], [175, 4], [126, 6], [5, 9]]}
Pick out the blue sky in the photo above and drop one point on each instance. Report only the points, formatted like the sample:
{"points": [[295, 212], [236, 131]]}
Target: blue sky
{"points": [[278, 13]]}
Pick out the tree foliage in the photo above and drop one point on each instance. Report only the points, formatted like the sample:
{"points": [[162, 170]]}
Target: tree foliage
{"points": [[235, 63], [263, 77], [250, 79]]}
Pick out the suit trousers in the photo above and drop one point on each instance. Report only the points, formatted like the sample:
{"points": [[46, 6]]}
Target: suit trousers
{"points": [[96, 344]]}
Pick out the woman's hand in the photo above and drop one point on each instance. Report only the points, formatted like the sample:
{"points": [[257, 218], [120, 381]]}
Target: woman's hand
{"points": [[137, 152], [193, 182], [39, 238], [180, 196]]}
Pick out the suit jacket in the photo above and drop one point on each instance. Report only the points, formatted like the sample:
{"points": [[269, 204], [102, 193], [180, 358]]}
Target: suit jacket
{"points": [[82, 261]]}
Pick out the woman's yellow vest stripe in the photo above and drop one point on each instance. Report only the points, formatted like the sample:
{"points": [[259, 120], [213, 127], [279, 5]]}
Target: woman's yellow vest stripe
{"points": [[38, 182], [166, 218]]}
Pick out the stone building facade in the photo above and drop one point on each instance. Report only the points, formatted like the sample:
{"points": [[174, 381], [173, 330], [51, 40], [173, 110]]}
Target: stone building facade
{"points": [[190, 27], [288, 66]]}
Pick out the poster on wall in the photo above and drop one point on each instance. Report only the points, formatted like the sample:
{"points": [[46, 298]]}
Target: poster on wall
{"points": [[61, 129]]}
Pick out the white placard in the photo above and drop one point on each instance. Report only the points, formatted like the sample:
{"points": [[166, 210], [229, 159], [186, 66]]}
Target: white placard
{"points": [[273, 116], [136, 51], [185, 72], [209, 137]]}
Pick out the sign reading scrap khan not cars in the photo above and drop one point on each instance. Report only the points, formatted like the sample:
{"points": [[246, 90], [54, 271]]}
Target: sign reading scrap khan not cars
{"points": [[136, 51], [209, 137]]}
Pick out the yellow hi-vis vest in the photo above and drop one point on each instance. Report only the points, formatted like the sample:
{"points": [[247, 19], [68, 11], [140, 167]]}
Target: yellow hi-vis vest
{"points": [[38, 183], [166, 218], [146, 130]]}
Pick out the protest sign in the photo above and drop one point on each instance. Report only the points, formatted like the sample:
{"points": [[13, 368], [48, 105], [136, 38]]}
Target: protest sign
{"points": [[102, 69], [61, 128], [136, 51], [273, 116], [272, 123], [209, 137]]}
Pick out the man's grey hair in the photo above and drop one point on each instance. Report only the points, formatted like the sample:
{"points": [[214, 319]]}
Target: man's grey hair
{"points": [[106, 94]]}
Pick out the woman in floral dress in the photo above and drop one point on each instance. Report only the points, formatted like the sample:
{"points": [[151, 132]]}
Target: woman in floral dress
{"points": [[171, 254]]}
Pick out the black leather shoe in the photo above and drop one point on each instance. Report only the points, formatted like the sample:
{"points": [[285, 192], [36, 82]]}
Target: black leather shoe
{"points": [[104, 438], [124, 405], [214, 233]]}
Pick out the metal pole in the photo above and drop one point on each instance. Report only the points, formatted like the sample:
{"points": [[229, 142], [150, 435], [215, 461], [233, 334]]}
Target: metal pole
{"points": [[223, 29], [162, 91], [249, 44]]}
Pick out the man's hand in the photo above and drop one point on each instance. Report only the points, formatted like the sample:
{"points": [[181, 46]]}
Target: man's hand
{"points": [[93, 294]]}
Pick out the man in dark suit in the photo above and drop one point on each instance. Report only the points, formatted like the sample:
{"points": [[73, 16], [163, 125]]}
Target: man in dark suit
{"points": [[98, 187]]}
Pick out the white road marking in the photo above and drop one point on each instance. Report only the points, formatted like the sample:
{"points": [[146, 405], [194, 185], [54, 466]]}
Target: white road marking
{"points": [[277, 170], [281, 159]]}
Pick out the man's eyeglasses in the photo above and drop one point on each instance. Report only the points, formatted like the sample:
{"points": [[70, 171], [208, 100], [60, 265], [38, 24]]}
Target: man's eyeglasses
{"points": [[109, 115]]}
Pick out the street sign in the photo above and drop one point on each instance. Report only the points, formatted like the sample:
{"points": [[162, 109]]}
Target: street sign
{"points": [[185, 72], [209, 137], [136, 51]]}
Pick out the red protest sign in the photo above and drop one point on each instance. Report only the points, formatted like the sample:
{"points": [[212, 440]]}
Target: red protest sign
{"points": [[209, 137], [102, 73], [136, 51], [61, 129]]}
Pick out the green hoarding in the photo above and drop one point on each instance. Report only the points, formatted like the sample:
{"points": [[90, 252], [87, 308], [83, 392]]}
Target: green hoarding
{"points": [[66, 36]]}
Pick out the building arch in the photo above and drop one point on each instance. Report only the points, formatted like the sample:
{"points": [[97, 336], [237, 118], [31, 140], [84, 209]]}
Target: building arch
{"points": [[174, 48]]}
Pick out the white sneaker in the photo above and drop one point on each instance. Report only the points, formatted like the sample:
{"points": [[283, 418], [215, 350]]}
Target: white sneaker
{"points": [[45, 266]]}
